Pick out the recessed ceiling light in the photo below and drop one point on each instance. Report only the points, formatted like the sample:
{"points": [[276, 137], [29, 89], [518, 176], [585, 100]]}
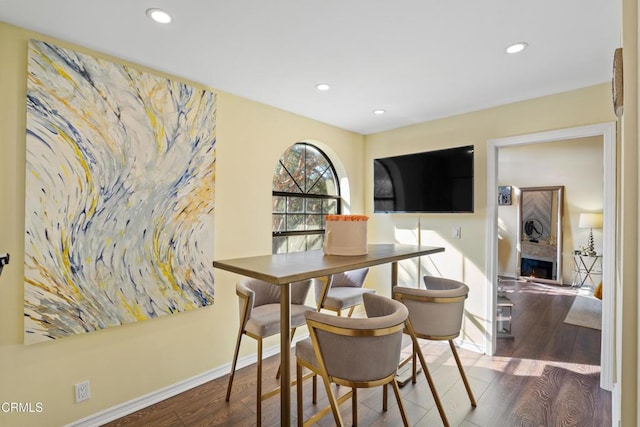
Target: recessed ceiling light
{"points": [[159, 15], [516, 47], [379, 112], [323, 86]]}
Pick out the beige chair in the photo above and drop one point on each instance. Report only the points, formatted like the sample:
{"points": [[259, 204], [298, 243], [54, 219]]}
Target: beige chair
{"points": [[260, 318], [435, 313], [353, 352], [342, 290]]}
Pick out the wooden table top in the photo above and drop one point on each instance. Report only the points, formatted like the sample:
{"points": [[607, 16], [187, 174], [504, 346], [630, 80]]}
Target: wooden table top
{"points": [[281, 269]]}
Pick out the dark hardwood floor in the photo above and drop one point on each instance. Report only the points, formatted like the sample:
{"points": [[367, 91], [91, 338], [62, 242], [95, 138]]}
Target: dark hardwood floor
{"points": [[548, 375]]}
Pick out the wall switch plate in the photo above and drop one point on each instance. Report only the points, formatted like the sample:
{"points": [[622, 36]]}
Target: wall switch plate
{"points": [[82, 391], [456, 232]]}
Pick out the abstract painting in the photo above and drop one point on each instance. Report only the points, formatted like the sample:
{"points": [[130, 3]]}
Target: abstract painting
{"points": [[119, 205]]}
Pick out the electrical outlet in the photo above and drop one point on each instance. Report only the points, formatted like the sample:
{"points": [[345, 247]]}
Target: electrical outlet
{"points": [[456, 232], [82, 391]]}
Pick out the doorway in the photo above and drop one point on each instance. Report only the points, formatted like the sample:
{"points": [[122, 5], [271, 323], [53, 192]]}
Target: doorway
{"points": [[607, 131]]}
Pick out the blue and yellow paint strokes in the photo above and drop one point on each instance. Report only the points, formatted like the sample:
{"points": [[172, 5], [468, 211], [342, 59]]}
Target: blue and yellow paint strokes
{"points": [[120, 180]]}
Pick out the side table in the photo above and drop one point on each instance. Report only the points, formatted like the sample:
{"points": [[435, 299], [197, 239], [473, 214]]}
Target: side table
{"points": [[585, 267]]}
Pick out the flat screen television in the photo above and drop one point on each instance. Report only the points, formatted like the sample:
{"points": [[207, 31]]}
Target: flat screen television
{"points": [[439, 181]]}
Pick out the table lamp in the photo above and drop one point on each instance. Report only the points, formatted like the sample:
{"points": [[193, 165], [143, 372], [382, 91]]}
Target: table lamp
{"points": [[590, 221]]}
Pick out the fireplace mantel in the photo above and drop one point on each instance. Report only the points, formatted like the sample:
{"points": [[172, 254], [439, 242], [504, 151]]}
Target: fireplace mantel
{"points": [[543, 251]]}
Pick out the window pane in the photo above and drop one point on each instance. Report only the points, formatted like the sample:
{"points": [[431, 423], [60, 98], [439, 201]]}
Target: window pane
{"points": [[314, 205], [314, 222], [282, 181], [295, 222], [295, 205], [330, 182], [315, 165], [293, 160], [297, 243], [326, 184], [279, 222], [315, 242], [330, 206], [315, 180], [279, 245], [279, 204], [315, 159]]}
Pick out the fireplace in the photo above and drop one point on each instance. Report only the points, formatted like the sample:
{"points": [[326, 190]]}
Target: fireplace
{"points": [[536, 268]]}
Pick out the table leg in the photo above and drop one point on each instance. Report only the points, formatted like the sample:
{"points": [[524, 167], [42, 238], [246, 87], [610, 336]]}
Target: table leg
{"points": [[285, 355], [394, 275], [587, 274]]}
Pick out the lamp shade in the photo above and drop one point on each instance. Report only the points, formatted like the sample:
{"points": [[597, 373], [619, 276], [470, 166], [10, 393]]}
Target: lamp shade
{"points": [[590, 220]]}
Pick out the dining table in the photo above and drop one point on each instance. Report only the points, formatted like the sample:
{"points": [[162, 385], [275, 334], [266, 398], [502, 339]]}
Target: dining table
{"points": [[287, 268]]}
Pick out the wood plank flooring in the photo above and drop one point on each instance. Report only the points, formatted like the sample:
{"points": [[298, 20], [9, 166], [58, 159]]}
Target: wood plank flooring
{"points": [[547, 376]]}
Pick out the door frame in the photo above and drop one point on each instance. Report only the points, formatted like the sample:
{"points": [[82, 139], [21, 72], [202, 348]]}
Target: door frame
{"points": [[608, 133]]}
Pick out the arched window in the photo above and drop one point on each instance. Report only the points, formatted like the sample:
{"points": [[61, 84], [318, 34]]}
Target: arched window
{"points": [[305, 189]]}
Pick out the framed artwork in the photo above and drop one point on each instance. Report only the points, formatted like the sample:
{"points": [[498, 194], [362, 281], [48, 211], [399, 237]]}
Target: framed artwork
{"points": [[120, 185], [504, 195]]}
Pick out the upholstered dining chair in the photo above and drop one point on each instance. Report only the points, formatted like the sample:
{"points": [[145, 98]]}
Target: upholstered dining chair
{"points": [[435, 313], [342, 290], [260, 318], [353, 352]]}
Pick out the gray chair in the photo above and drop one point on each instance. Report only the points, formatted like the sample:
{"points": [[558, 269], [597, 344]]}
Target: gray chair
{"points": [[342, 290], [435, 313], [260, 318], [353, 352]]}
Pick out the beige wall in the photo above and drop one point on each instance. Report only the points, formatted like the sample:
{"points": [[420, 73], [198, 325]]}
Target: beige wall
{"points": [[130, 361], [576, 164]]}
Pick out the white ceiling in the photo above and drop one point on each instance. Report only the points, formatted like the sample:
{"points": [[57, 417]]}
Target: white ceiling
{"points": [[417, 59]]}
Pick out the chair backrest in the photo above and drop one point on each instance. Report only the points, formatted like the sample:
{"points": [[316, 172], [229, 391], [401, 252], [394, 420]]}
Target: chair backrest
{"points": [[260, 292], [435, 312], [360, 349], [352, 278], [347, 279]]}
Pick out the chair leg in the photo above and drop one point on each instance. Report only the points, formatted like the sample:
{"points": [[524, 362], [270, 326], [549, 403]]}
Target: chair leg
{"points": [[354, 406], [403, 412], [259, 386], [423, 363], [314, 380], [384, 398], [432, 386], [299, 392], [351, 311], [414, 368], [233, 365], [333, 402], [462, 374]]}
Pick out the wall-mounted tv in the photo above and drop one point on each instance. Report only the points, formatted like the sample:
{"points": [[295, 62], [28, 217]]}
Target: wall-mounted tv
{"points": [[429, 182]]}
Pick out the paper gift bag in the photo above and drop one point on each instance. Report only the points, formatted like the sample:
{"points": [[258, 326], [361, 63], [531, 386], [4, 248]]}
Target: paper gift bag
{"points": [[345, 235]]}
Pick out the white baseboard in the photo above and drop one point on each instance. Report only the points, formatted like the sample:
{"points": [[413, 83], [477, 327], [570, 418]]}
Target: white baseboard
{"points": [[154, 397]]}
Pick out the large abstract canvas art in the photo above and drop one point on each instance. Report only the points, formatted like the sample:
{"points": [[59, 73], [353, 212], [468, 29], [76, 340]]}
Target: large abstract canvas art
{"points": [[120, 175]]}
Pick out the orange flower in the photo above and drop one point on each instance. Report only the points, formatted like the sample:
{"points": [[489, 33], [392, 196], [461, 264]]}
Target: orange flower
{"points": [[346, 218]]}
